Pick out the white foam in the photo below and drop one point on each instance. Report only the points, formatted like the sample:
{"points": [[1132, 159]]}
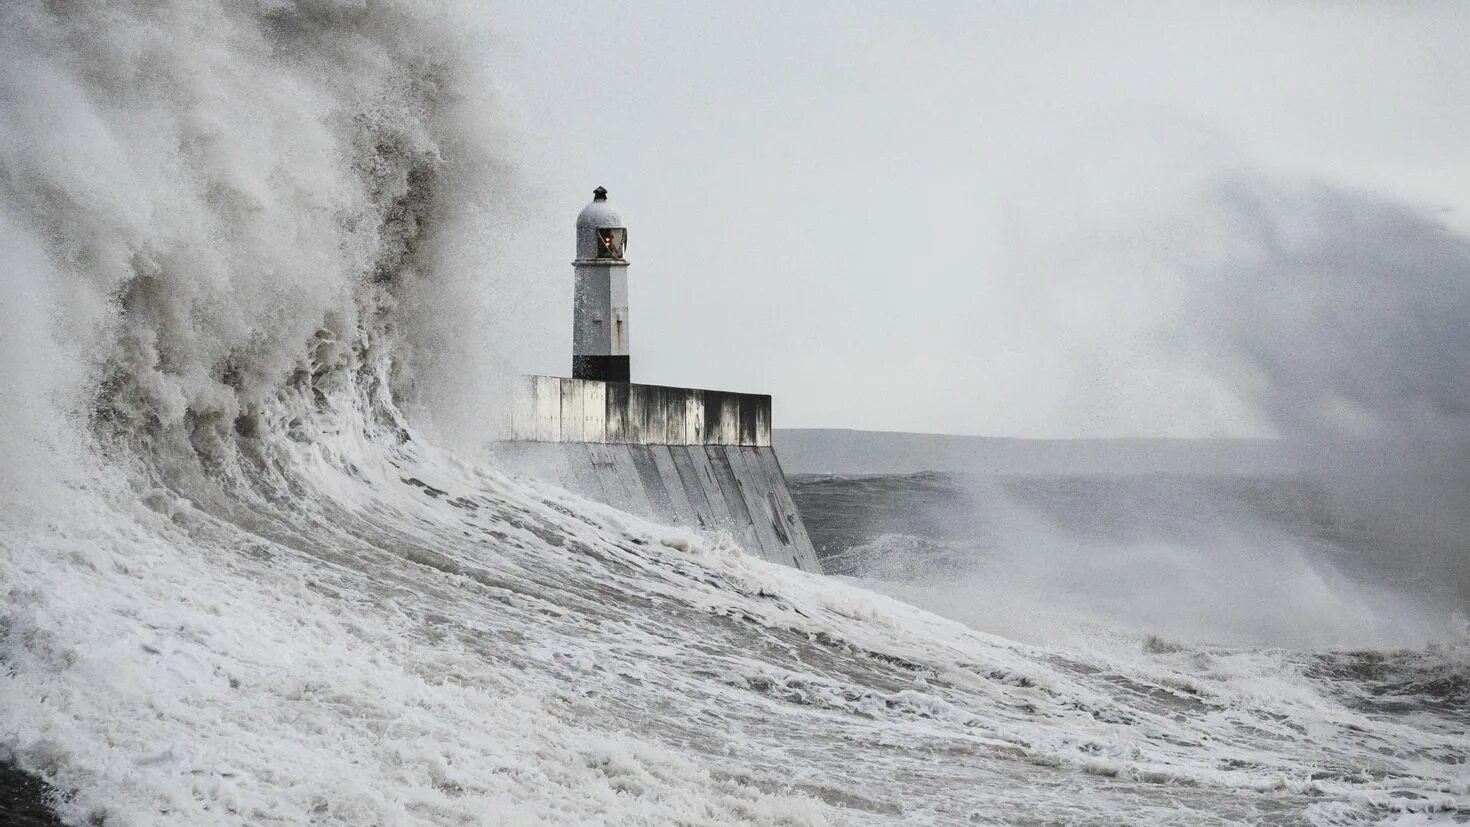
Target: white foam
{"points": [[241, 587]]}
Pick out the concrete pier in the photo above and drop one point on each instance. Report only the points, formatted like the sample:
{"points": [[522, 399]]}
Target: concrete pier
{"points": [[681, 456]]}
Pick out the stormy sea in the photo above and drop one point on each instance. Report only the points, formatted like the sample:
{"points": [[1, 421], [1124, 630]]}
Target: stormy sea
{"points": [[1186, 599], [256, 569]]}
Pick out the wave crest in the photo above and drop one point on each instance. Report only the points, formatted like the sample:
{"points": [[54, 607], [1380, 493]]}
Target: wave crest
{"points": [[238, 204]]}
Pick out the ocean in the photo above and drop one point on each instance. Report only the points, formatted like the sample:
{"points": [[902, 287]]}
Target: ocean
{"points": [[257, 567], [1277, 559]]}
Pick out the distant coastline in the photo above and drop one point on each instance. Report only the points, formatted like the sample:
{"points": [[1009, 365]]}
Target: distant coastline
{"points": [[839, 451]]}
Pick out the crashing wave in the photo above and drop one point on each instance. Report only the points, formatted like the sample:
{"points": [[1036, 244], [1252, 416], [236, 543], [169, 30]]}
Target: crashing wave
{"points": [[242, 585]]}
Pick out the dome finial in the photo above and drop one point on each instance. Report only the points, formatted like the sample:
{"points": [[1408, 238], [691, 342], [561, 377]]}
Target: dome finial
{"points": [[599, 194]]}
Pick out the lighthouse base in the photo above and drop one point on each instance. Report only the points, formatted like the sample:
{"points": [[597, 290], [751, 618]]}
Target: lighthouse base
{"points": [[679, 456], [601, 368]]}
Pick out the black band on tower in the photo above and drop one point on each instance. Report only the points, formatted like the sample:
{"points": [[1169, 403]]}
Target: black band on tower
{"points": [[601, 368]]}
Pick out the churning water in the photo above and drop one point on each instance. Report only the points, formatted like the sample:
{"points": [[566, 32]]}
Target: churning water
{"points": [[245, 581]]}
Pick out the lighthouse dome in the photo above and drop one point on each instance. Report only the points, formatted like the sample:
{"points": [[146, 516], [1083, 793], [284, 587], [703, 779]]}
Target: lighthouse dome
{"points": [[600, 230]]}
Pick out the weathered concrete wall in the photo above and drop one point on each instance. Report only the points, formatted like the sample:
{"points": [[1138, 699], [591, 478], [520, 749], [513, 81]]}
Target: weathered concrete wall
{"points": [[681, 456], [553, 409], [736, 488]]}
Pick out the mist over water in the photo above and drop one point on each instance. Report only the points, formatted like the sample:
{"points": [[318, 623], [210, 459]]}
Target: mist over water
{"points": [[252, 575], [1071, 560], [1345, 319], [1339, 313], [1339, 320]]}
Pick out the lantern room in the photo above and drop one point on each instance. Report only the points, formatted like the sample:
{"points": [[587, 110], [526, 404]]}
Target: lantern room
{"points": [[601, 236]]}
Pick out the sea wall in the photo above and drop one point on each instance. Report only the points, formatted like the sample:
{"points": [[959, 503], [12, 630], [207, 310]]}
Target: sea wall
{"points": [[680, 456], [553, 409]]}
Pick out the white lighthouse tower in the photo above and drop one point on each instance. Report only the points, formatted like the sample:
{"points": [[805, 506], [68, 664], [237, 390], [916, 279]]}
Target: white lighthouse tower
{"points": [[600, 304]]}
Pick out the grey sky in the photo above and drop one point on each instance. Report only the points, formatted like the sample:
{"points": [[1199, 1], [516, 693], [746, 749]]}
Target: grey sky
{"points": [[954, 217]]}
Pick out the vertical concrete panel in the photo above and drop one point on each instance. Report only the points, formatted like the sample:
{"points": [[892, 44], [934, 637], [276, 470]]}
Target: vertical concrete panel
{"points": [[692, 478], [653, 484], [740, 523], [632, 482], [673, 484], [594, 411], [746, 406], [582, 473], [770, 505], [753, 487], [785, 521], [763, 422], [709, 481], [633, 415], [570, 420], [547, 403], [523, 408], [614, 484], [668, 402], [693, 417], [709, 433], [730, 419], [721, 418], [617, 411], [675, 414], [772, 508], [787, 513], [655, 414]]}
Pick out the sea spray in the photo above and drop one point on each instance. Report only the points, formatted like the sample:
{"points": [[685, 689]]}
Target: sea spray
{"points": [[241, 584]]}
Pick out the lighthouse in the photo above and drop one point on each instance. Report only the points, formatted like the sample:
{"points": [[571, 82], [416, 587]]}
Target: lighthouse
{"points": [[600, 301], [680, 456]]}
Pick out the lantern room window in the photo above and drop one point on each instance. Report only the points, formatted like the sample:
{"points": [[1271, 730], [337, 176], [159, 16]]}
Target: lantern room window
{"points": [[611, 242]]}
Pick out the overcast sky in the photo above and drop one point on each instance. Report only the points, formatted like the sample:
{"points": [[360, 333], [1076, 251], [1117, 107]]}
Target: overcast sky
{"points": [[953, 217]]}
